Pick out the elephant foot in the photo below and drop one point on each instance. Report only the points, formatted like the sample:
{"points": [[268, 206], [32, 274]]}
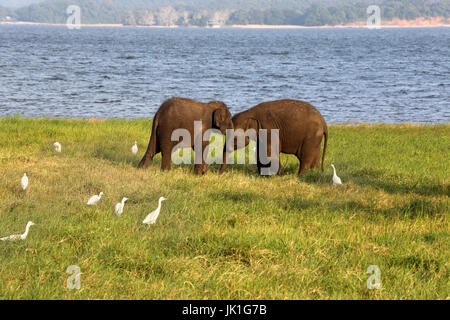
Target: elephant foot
{"points": [[145, 162], [142, 165], [302, 172], [200, 169]]}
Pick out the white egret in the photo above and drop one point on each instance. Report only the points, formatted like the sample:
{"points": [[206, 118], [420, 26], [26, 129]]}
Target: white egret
{"points": [[151, 218], [57, 146], [94, 199], [24, 181], [134, 148], [118, 209], [336, 179], [22, 236]]}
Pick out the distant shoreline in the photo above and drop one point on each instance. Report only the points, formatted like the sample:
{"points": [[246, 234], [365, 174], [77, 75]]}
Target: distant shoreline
{"points": [[418, 23], [353, 124]]}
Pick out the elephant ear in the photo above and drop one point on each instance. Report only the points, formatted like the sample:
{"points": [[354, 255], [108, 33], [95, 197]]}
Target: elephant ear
{"points": [[219, 117]]}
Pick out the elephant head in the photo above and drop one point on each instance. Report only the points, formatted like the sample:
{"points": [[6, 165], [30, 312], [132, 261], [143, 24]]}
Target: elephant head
{"points": [[221, 117], [242, 123]]}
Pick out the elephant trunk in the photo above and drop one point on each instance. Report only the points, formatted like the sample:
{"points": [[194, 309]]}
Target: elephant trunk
{"points": [[224, 161], [229, 147]]}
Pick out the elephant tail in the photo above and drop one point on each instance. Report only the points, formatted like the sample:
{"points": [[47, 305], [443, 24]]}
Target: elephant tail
{"points": [[151, 149], [325, 133]]}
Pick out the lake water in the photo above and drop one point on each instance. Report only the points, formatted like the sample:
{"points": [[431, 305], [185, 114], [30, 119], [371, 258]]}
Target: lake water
{"points": [[350, 75]]}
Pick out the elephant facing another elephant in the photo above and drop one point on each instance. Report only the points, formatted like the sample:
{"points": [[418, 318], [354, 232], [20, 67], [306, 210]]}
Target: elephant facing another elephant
{"points": [[181, 113], [301, 130]]}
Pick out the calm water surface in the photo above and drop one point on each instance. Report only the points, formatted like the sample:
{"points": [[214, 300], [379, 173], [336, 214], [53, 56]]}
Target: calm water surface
{"points": [[350, 75]]}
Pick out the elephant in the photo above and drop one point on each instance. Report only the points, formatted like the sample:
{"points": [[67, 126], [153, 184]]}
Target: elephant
{"points": [[301, 129], [180, 113]]}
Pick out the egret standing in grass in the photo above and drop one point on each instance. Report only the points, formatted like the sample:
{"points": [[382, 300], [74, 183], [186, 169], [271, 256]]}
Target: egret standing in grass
{"points": [[336, 179], [94, 199], [134, 148], [118, 209], [22, 236], [151, 218], [57, 146], [24, 181]]}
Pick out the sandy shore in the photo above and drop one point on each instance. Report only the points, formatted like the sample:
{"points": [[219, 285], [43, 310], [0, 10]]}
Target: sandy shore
{"points": [[252, 26], [330, 27], [396, 23]]}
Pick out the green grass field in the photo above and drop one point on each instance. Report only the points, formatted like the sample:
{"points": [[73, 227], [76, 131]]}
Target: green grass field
{"points": [[236, 236]]}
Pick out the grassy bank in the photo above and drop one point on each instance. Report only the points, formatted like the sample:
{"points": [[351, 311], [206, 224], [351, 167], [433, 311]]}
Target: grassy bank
{"points": [[237, 236]]}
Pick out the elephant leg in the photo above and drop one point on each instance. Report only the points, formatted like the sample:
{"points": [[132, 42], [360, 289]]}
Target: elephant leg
{"points": [[300, 171], [269, 169], [310, 156], [145, 161], [202, 169], [313, 147], [316, 162], [166, 161], [305, 164], [301, 168], [258, 160], [280, 167], [275, 158], [198, 169], [149, 154]]}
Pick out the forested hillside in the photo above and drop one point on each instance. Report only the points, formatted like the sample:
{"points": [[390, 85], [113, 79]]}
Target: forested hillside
{"points": [[17, 3], [205, 4], [231, 12]]}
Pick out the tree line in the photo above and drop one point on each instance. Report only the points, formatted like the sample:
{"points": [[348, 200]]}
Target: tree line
{"points": [[107, 11]]}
